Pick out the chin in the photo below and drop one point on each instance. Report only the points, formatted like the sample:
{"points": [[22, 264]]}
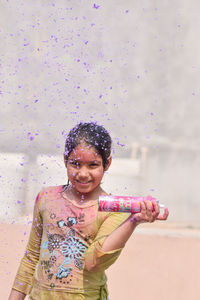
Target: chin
{"points": [[86, 191]]}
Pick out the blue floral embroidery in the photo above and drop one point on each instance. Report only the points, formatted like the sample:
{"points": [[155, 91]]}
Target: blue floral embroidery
{"points": [[78, 263], [70, 222], [54, 241], [61, 223], [73, 247], [63, 272], [66, 261], [44, 245]]}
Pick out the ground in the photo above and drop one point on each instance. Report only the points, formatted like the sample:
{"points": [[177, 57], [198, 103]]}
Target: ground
{"points": [[159, 262]]}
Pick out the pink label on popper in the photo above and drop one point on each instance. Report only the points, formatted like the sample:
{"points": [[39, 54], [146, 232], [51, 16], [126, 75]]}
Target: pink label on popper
{"points": [[122, 203]]}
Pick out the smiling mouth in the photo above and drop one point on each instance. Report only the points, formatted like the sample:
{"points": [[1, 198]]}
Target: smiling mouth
{"points": [[83, 183]]}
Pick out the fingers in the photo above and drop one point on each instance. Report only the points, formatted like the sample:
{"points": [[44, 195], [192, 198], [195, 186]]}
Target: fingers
{"points": [[143, 208], [149, 213], [140, 217], [146, 211], [152, 212], [164, 216], [156, 211]]}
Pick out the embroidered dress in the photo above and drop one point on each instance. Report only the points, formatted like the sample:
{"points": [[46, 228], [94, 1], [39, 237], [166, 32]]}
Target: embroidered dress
{"points": [[63, 257]]}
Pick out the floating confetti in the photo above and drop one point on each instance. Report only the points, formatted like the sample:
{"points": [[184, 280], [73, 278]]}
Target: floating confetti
{"points": [[96, 6]]}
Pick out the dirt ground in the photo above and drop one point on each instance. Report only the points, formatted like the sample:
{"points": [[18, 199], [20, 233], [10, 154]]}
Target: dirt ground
{"points": [[158, 263]]}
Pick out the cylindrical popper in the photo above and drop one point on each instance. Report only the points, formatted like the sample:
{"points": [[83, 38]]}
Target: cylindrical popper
{"points": [[127, 204]]}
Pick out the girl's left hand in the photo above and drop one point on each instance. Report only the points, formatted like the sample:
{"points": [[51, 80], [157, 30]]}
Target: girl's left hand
{"points": [[147, 215]]}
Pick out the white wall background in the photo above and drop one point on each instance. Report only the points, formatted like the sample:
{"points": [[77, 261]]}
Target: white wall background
{"points": [[133, 66]]}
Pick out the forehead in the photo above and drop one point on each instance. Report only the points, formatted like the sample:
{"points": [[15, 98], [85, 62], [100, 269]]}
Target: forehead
{"points": [[84, 152]]}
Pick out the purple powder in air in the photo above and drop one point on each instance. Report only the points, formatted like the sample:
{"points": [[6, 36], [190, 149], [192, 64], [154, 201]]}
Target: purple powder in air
{"points": [[96, 6]]}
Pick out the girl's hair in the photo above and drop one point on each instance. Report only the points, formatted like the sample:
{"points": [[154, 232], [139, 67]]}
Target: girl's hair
{"points": [[92, 135]]}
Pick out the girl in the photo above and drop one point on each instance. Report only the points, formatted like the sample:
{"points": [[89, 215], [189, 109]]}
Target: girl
{"points": [[71, 244]]}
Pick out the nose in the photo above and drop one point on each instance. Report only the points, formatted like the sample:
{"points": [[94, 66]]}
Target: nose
{"points": [[83, 172]]}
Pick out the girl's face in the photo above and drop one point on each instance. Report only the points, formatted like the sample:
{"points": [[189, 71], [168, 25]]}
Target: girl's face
{"points": [[85, 169]]}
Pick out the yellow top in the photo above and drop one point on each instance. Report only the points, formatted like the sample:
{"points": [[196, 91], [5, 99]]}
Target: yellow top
{"points": [[63, 257]]}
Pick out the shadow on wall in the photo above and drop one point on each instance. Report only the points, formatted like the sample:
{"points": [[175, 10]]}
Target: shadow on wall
{"points": [[164, 173]]}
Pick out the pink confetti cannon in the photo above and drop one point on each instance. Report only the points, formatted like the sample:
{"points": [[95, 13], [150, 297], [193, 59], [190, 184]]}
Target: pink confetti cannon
{"points": [[123, 203]]}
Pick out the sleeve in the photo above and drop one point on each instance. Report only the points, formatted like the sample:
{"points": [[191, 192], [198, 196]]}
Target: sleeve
{"points": [[97, 260], [24, 278]]}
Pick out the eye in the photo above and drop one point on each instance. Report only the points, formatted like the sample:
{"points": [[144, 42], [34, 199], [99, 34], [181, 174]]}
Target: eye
{"points": [[74, 163], [94, 164]]}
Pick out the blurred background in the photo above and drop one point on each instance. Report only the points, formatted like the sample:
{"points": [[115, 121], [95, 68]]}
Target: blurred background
{"points": [[132, 66]]}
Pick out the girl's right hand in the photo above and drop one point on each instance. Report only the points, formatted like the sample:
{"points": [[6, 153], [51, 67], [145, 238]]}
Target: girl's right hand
{"points": [[147, 215]]}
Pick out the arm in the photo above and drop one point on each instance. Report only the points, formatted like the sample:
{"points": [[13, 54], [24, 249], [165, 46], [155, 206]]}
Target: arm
{"points": [[114, 233], [24, 278], [119, 237], [95, 259]]}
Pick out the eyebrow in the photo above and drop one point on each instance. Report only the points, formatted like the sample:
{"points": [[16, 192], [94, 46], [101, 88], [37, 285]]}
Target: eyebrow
{"points": [[95, 161], [78, 160]]}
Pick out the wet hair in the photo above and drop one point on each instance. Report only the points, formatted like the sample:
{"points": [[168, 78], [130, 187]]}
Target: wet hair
{"points": [[91, 134]]}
